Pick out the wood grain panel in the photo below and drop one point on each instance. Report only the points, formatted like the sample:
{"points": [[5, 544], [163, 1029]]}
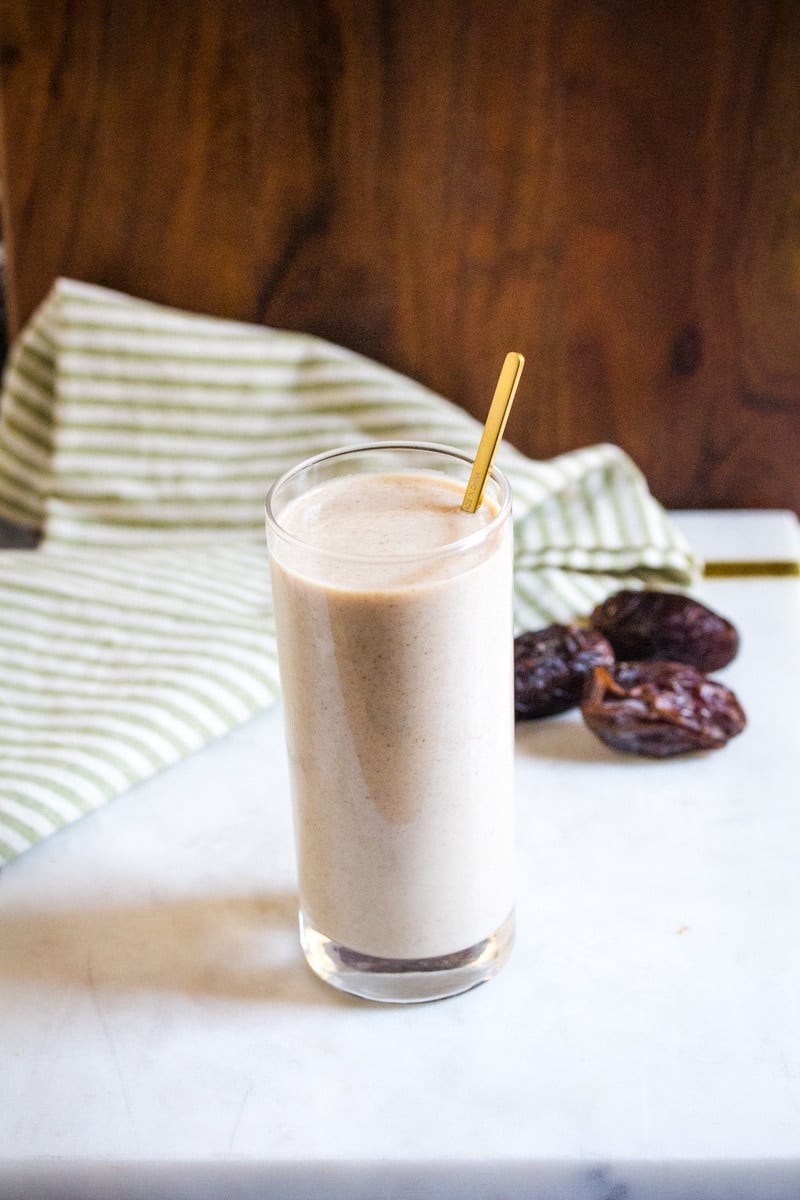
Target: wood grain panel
{"points": [[610, 188]]}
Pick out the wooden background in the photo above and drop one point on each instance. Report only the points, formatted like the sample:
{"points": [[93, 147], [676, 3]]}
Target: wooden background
{"points": [[611, 188]]}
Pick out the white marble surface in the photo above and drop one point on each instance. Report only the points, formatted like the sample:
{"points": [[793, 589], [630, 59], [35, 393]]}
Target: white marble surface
{"points": [[162, 1037]]}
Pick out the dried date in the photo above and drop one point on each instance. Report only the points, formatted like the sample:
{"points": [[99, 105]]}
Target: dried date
{"points": [[660, 708], [666, 625], [551, 666]]}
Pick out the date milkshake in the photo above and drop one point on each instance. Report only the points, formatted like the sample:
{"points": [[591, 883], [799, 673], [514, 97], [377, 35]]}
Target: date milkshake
{"points": [[395, 640]]}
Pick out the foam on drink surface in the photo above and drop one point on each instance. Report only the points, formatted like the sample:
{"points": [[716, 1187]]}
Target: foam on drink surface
{"points": [[386, 514]]}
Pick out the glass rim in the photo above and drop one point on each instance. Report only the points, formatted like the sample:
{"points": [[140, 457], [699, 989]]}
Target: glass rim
{"points": [[459, 546]]}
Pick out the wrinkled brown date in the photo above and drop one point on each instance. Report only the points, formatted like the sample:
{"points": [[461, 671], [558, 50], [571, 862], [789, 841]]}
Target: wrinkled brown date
{"points": [[660, 709], [551, 666], [666, 625]]}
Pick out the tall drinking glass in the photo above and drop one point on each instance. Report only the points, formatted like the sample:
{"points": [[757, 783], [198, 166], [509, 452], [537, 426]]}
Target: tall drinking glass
{"points": [[395, 642]]}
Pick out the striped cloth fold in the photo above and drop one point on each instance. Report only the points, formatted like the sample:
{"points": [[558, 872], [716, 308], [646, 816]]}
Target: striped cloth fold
{"points": [[137, 443]]}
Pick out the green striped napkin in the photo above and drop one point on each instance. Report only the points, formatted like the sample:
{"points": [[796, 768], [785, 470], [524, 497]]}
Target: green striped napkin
{"points": [[137, 444]]}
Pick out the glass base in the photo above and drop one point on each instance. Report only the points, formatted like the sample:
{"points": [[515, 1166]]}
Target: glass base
{"points": [[406, 980]]}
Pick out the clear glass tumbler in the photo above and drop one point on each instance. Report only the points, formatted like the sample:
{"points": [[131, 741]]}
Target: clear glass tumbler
{"points": [[393, 612]]}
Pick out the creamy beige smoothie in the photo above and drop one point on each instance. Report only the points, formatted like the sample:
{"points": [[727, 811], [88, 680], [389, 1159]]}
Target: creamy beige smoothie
{"points": [[396, 666]]}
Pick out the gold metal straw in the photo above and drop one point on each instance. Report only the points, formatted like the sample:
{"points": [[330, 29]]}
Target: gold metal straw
{"points": [[493, 430]]}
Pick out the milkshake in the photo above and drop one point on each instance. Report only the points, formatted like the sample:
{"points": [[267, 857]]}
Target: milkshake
{"points": [[395, 641]]}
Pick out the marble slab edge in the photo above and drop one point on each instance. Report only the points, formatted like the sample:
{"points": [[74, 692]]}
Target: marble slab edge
{"points": [[480, 1180]]}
